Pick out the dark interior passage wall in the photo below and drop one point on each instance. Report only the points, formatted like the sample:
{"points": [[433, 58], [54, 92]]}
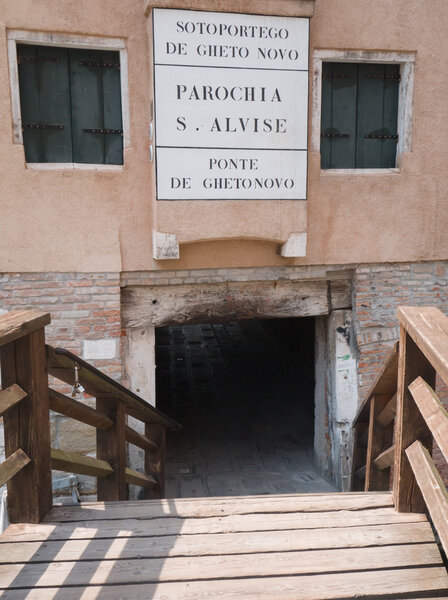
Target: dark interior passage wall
{"points": [[244, 392]]}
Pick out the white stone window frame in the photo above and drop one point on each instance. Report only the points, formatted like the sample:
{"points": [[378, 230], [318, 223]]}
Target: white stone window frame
{"points": [[406, 60], [61, 40]]}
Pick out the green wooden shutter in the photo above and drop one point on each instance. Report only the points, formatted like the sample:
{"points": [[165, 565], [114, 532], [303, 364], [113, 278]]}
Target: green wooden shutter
{"points": [[113, 143], [96, 104], [45, 103], [359, 101], [377, 115]]}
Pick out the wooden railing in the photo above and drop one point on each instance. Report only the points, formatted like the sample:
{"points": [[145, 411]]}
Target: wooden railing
{"points": [[373, 428], [25, 401], [420, 420]]}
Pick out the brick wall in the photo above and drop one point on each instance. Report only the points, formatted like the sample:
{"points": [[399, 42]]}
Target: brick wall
{"points": [[85, 319], [378, 290]]}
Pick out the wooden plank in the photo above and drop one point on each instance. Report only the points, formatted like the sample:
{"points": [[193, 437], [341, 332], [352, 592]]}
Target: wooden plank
{"points": [[428, 327], [77, 463], [61, 364], [387, 415], [28, 425], [164, 305], [409, 424], [141, 527], [155, 461], [10, 397], [384, 584], [69, 407], [19, 323], [218, 567], [361, 473], [111, 447], [12, 465], [385, 459], [376, 479], [359, 458], [140, 440], [432, 487], [433, 412], [385, 383], [212, 544], [145, 481], [213, 507]]}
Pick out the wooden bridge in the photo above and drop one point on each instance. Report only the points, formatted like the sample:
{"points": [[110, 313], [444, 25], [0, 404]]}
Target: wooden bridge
{"points": [[371, 544]]}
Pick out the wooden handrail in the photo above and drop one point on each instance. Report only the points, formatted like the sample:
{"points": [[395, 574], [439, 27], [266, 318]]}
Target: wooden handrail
{"points": [[13, 465], [76, 410], [61, 364], [373, 429], [25, 403], [420, 419]]}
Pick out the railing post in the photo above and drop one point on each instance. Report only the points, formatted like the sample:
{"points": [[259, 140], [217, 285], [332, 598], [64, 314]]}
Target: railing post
{"points": [[111, 447], [155, 461], [27, 426], [410, 425]]}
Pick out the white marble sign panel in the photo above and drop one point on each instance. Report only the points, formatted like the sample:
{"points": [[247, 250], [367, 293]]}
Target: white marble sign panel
{"points": [[230, 87], [205, 174]]}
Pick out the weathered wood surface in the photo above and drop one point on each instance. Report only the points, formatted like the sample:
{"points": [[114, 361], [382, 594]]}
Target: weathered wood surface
{"points": [[61, 364], [432, 411], [27, 425], [141, 479], [428, 327], [12, 465], [385, 459], [433, 490], [155, 461], [223, 543], [219, 302], [19, 323], [409, 424], [69, 407], [376, 479], [385, 383], [11, 397], [394, 584], [141, 550], [77, 463], [140, 440], [215, 507], [111, 447], [169, 525], [213, 567], [387, 415]]}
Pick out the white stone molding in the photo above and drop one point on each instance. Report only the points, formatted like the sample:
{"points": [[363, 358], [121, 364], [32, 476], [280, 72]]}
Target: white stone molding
{"points": [[165, 246], [295, 246]]}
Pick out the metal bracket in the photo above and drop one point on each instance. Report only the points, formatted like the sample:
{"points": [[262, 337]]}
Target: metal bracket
{"points": [[104, 131], [335, 135], [396, 77], [91, 63], [337, 76], [381, 137], [35, 59], [41, 126]]}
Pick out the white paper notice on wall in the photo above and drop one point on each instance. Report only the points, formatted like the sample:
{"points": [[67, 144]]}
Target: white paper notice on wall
{"points": [[231, 106]]}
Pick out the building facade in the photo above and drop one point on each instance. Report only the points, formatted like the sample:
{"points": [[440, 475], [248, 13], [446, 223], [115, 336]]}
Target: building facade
{"points": [[176, 162]]}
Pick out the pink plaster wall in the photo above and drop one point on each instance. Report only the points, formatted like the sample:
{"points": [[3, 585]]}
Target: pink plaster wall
{"points": [[102, 221]]}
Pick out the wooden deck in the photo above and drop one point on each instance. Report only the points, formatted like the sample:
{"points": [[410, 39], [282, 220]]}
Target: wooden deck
{"points": [[301, 547]]}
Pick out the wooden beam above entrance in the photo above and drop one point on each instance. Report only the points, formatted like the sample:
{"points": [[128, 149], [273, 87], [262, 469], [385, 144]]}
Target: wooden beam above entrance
{"points": [[159, 306]]}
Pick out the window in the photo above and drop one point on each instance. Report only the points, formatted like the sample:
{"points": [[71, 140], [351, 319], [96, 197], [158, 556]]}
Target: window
{"points": [[70, 103], [359, 115]]}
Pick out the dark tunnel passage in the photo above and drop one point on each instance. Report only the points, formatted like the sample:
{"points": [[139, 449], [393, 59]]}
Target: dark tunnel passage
{"points": [[244, 393]]}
